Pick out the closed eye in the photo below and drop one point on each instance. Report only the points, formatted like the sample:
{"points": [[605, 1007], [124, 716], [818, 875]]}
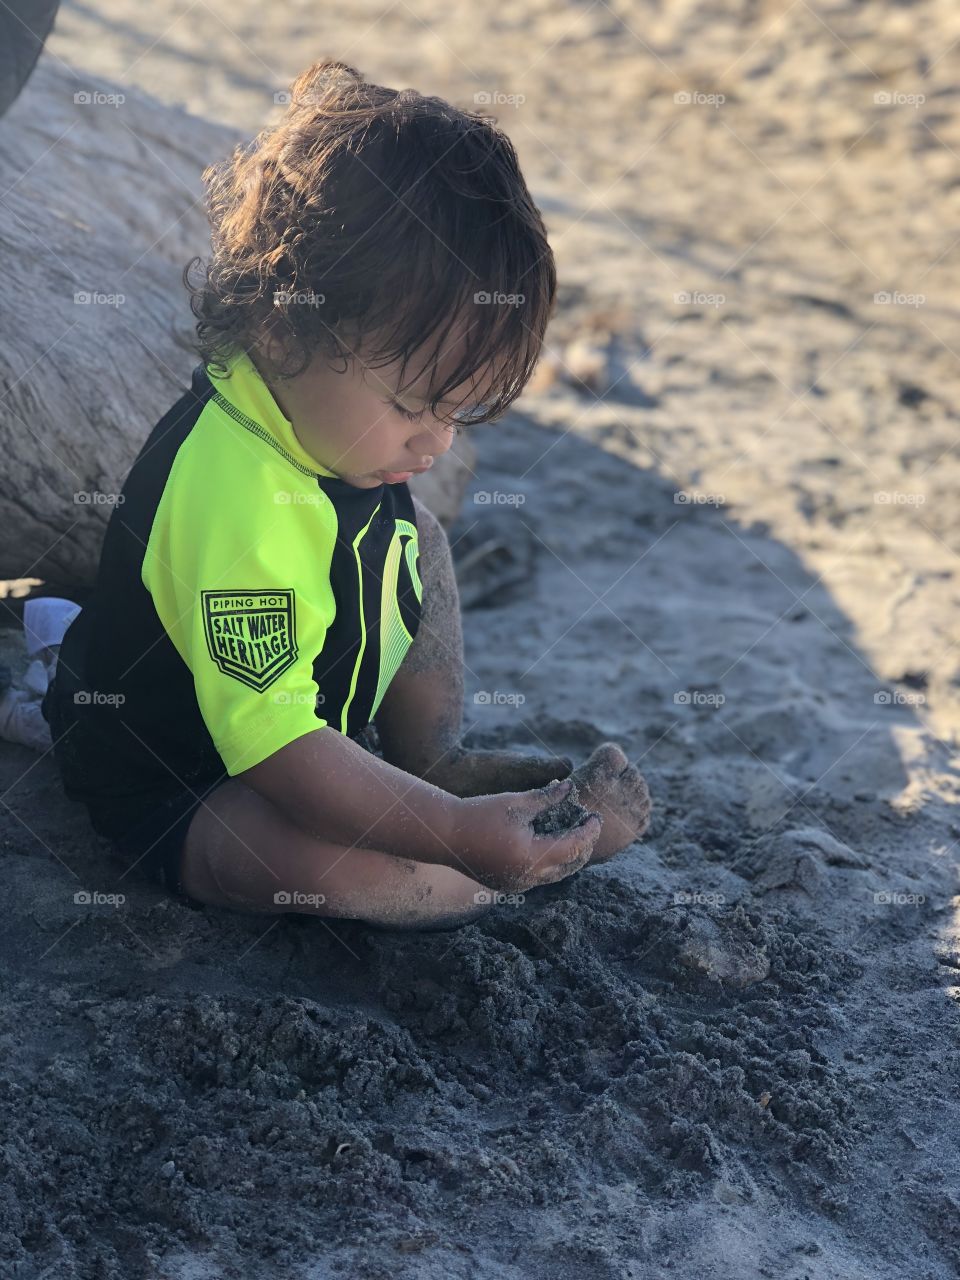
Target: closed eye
{"points": [[412, 416], [404, 412]]}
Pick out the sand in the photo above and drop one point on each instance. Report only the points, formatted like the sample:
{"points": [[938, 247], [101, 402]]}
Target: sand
{"points": [[563, 816], [732, 1050]]}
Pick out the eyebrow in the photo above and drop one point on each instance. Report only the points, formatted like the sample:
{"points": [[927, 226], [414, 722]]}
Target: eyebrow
{"points": [[410, 394], [413, 395], [406, 395]]}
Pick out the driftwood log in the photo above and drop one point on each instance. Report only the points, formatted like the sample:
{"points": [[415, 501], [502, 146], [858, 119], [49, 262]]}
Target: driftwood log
{"points": [[102, 208], [24, 25]]}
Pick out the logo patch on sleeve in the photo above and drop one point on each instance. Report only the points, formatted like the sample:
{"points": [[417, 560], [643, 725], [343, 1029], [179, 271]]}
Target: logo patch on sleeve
{"points": [[251, 635]]}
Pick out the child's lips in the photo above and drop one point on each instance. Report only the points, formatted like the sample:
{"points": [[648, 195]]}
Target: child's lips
{"points": [[398, 477]]}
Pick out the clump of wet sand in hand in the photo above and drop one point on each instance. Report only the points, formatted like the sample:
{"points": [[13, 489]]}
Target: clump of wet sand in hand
{"points": [[562, 816]]}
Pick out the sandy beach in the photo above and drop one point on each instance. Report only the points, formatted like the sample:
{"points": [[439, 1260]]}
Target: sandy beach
{"points": [[733, 1050]]}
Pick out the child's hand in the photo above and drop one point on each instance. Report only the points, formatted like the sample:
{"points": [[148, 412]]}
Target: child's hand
{"points": [[495, 842]]}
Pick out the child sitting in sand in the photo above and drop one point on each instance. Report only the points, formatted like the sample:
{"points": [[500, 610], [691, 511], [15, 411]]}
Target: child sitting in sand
{"points": [[269, 591]]}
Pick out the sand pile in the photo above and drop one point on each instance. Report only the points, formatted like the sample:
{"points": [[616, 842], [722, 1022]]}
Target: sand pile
{"points": [[513, 1065]]}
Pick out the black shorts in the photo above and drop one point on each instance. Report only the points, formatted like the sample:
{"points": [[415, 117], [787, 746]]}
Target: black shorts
{"points": [[146, 830], [150, 846], [148, 838]]}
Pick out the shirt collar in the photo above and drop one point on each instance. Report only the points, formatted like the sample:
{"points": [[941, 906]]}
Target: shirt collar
{"points": [[245, 390]]}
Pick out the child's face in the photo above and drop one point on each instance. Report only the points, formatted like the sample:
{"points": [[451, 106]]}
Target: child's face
{"points": [[355, 424]]}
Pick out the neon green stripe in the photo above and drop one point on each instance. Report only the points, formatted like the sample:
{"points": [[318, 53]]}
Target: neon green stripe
{"points": [[404, 526], [395, 639], [363, 622]]}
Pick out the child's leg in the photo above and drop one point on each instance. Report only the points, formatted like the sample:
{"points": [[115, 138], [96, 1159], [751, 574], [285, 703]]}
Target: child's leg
{"points": [[241, 852], [419, 719]]}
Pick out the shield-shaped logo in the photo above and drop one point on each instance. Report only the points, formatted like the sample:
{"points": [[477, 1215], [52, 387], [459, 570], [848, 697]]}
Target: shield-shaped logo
{"points": [[251, 635]]}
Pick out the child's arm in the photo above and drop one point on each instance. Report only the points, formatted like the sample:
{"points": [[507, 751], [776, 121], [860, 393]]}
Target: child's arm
{"points": [[332, 788]]}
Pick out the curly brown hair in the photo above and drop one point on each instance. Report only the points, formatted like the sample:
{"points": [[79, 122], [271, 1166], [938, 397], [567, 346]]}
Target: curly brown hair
{"points": [[394, 215]]}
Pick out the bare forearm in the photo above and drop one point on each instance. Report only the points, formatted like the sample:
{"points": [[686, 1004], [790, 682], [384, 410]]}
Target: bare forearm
{"points": [[335, 790]]}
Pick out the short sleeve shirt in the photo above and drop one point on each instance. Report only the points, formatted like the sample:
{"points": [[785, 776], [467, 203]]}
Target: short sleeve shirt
{"points": [[246, 596]]}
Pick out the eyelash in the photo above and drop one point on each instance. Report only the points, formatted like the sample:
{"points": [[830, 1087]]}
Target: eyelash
{"points": [[415, 417]]}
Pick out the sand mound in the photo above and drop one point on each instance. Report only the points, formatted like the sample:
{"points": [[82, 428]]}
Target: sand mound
{"points": [[503, 1065]]}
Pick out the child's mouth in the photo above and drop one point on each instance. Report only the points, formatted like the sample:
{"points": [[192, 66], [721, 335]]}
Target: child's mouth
{"points": [[400, 477]]}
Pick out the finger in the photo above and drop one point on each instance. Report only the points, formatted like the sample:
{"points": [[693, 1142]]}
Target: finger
{"points": [[546, 797], [579, 840], [551, 873], [557, 857]]}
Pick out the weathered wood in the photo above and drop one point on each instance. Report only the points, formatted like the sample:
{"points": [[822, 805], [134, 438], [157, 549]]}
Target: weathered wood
{"points": [[101, 211], [24, 25]]}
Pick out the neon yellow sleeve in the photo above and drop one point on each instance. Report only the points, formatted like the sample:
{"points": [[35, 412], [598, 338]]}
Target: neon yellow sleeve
{"points": [[242, 587]]}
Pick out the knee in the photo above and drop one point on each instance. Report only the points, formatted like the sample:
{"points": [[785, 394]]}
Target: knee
{"points": [[432, 541], [429, 528]]}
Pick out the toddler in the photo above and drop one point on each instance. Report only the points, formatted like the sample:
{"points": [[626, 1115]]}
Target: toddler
{"points": [[271, 601]]}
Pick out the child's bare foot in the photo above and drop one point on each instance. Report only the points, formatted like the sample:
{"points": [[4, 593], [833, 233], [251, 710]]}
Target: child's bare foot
{"points": [[483, 773], [610, 785]]}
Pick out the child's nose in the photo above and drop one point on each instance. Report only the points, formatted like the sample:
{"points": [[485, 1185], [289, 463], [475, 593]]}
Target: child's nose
{"points": [[431, 443]]}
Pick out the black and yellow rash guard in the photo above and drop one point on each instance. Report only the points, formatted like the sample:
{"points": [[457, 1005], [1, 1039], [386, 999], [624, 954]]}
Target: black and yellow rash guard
{"points": [[245, 596]]}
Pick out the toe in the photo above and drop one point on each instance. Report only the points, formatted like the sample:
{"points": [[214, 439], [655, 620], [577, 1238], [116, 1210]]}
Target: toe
{"points": [[607, 761]]}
